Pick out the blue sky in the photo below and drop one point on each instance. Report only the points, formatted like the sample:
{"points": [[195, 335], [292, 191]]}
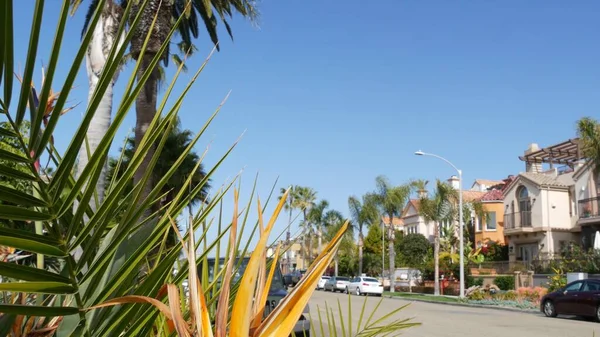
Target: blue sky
{"points": [[331, 96]]}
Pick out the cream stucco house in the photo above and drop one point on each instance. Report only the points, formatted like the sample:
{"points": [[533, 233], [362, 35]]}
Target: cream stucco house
{"points": [[541, 213]]}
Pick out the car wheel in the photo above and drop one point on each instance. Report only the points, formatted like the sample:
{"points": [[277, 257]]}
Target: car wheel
{"points": [[550, 311], [357, 291], [598, 314]]}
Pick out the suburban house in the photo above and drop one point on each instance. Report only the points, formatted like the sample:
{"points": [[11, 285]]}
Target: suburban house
{"points": [[587, 196], [540, 205], [412, 222], [491, 226]]}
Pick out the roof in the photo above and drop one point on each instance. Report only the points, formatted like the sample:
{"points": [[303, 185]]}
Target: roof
{"points": [[472, 195], [397, 221], [487, 182], [563, 180], [567, 153], [543, 180], [493, 195], [412, 202]]}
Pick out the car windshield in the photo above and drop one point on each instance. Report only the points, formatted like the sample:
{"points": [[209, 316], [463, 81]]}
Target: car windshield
{"points": [[325, 277], [341, 279], [276, 283], [370, 279]]}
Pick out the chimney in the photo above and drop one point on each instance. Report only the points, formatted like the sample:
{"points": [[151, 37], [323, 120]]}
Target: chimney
{"points": [[422, 193], [533, 167], [453, 181]]}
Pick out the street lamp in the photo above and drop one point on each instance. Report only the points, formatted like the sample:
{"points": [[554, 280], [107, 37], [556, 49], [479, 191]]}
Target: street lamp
{"points": [[460, 218]]}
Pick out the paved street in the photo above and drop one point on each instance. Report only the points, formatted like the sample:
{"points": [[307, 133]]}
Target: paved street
{"points": [[449, 321]]}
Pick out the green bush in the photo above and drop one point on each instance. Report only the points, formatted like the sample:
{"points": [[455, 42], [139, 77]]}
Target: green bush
{"points": [[505, 282], [474, 281]]}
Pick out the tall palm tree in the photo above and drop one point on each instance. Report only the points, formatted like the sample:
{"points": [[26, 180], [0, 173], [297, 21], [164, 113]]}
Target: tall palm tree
{"points": [[364, 213], [164, 12], [420, 186], [332, 222], [288, 206], [588, 130], [317, 218], [96, 57], [304, 200], [391, 200], [105, 33], [438, 209]]}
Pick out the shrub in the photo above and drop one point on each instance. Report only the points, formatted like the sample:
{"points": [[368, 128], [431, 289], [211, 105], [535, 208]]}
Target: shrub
{"points": [[505, 282], [533, 295], [474, 281]]}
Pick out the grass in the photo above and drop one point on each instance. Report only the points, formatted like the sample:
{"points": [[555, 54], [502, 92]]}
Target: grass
{"points": [[424, 297]]}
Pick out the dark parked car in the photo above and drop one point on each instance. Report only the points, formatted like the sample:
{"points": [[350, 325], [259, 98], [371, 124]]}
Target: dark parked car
{"points": [[579, 298], [293, 278]]}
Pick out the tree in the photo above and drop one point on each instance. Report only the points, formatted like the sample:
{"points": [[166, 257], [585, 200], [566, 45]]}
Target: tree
{"points": [[106, 33], [391, 200], [414, 249], [317, 218], [363, 214], [163, 12], [289, 206], [438, 209], [588, 130], [304, 200], [177, 141], [373, 250], [333, 221]]}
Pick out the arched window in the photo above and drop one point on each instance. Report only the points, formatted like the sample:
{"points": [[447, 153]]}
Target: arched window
{"points": [[523, 199]]}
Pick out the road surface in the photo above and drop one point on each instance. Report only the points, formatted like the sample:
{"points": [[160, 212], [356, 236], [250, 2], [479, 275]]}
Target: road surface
{"points": [[450, 321]]}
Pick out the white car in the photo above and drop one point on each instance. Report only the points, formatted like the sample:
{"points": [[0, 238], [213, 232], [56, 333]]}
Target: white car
{"points": [[321, 284], [365, 286], [336, 283]]}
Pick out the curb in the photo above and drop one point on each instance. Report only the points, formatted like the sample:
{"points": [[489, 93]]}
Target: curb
{"points": [[458, 304]]}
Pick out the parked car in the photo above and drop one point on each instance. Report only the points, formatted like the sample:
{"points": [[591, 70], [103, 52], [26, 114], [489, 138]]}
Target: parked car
{"points": [[580, 298], [364, 286], [291, 279], [277, 292], [321, 284], [336, 283]]}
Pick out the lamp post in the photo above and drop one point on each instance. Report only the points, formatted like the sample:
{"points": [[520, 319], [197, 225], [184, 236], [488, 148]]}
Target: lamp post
{"points": [[460, 218]]}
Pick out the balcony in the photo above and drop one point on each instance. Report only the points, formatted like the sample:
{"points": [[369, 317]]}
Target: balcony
{"points": [[517, 220], [589, 208]]}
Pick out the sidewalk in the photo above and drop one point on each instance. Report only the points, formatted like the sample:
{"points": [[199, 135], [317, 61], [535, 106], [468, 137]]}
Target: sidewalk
{"points": [[452, 300]]}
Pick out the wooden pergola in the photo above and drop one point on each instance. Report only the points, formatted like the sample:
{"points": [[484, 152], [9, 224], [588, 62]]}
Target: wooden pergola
{"points": [[565, 153]]}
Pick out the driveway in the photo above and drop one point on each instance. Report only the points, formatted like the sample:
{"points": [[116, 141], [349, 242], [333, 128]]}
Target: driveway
{"points": [[449, 321]]}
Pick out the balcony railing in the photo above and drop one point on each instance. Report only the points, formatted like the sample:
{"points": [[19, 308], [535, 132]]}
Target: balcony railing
{"points": [[589, 208], [517, 220]]}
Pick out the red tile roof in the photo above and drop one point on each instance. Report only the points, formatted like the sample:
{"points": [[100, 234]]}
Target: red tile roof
{"points": [[493, 195]]}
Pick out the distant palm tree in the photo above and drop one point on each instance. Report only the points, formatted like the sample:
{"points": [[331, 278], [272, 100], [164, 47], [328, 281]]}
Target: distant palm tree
{"points": [[588, 130], [420, 186], [438, 209], [288, 206], [317, 218], [391, 200], [364, 213], [304, 200], [333, 221]]}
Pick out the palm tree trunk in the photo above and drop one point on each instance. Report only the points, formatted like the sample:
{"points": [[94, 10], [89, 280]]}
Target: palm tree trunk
{"points": [[319, 238], [145, 108], [392, 262], [436, 258], [360, 252], [336, 265], [105, 34]]}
